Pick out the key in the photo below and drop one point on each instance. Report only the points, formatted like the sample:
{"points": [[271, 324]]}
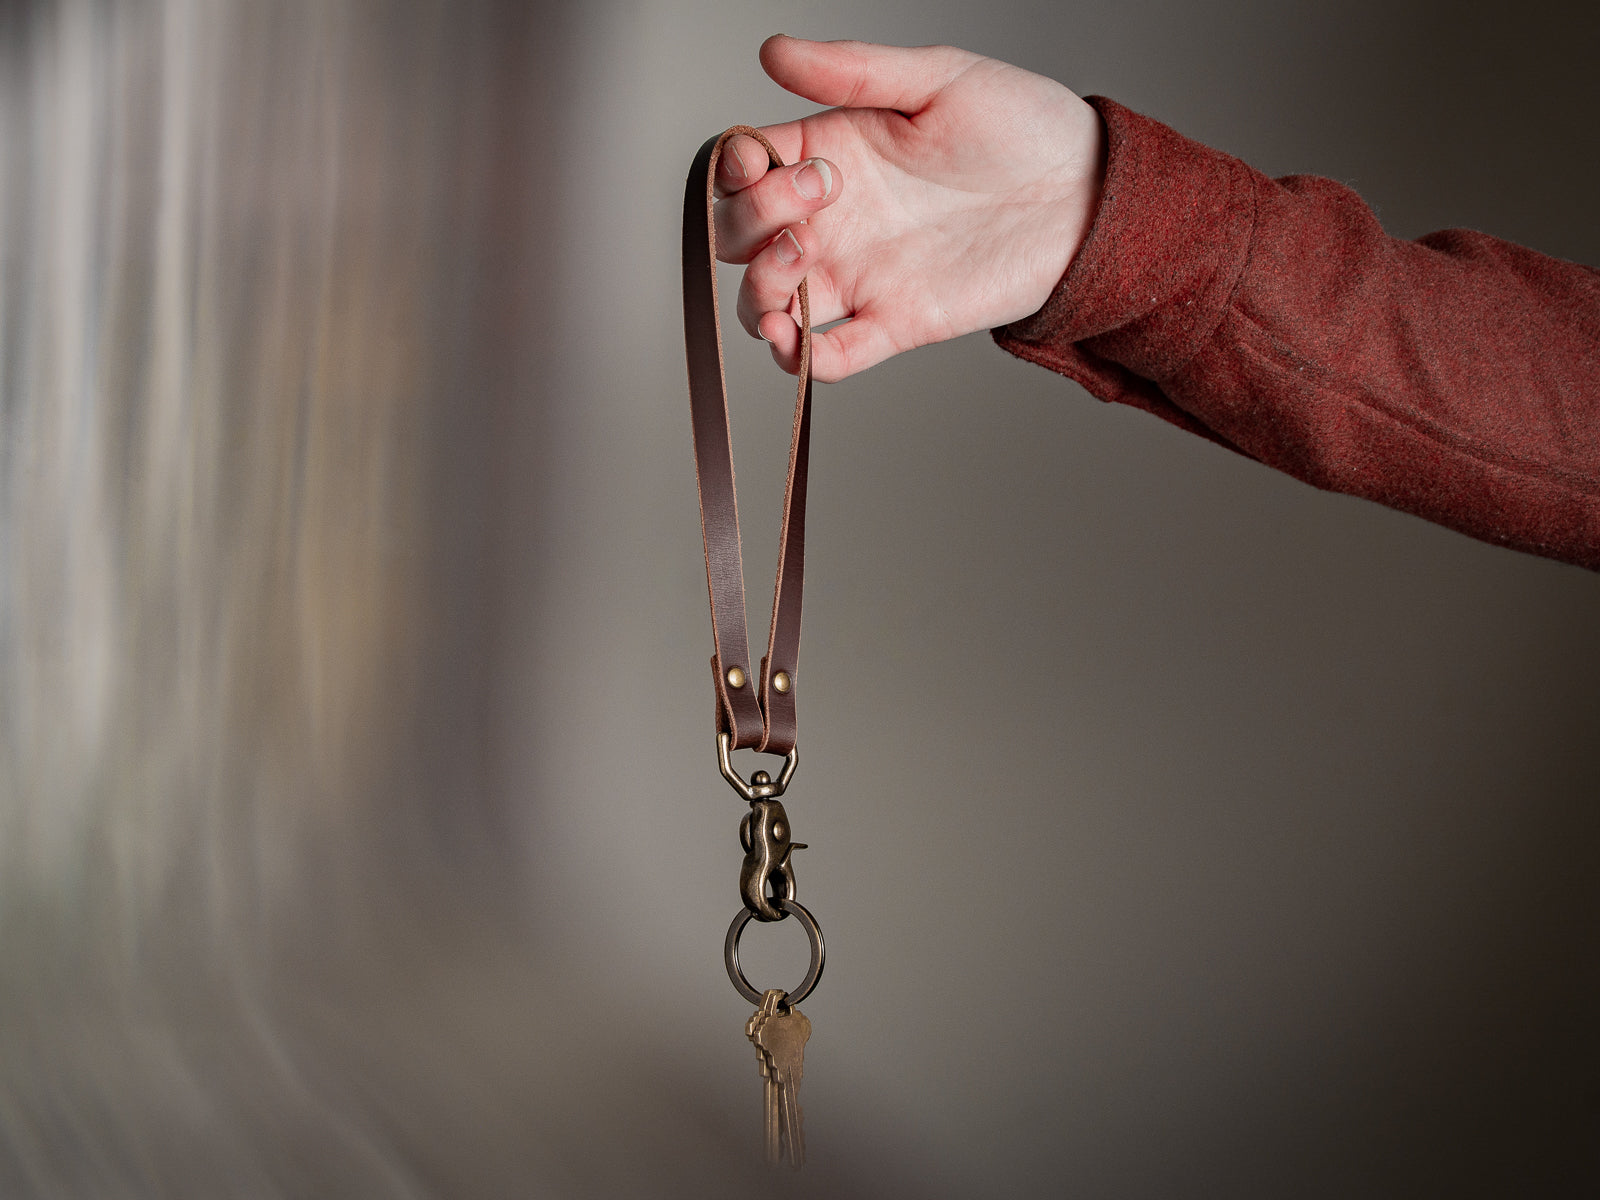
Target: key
{"points": [[783, 1036], [772, 1117]]}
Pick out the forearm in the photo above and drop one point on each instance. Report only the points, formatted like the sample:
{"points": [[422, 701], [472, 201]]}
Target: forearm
{"points": [[1457, 377]]}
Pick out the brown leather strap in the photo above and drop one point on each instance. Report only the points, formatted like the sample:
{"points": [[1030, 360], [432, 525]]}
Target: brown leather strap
{"points": [[755, 714]]}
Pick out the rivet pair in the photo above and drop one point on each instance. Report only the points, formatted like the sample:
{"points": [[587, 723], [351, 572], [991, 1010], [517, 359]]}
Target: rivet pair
{"points": [[780, 682]]}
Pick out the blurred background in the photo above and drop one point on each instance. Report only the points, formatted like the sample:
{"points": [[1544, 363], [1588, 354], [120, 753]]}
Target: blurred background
{"points": [[360, 828]]}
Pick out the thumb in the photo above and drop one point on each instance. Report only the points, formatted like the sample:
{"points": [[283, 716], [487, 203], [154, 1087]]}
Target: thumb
{"points": [[861, 74]]}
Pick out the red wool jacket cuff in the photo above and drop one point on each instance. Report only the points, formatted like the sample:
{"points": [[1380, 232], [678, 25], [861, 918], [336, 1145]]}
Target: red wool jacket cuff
{"points": [[1456, 377]]}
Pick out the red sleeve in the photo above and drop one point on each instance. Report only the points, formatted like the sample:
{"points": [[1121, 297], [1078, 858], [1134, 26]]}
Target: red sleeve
{"points": [[1455, 377]]}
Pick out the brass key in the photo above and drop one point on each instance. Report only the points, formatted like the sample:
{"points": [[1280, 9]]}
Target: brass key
{"points": [[782, 1035], [772, 1117]]}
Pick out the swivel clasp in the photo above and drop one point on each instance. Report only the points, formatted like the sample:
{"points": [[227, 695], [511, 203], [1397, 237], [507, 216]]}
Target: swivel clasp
{"points": [[765, 834]]}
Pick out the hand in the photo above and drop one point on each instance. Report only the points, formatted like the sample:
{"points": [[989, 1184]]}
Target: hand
{"points": [[945, 193]]}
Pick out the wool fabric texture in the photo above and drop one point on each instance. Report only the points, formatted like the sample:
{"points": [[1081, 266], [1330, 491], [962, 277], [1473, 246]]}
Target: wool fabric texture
{"points": [[1456, 377]]}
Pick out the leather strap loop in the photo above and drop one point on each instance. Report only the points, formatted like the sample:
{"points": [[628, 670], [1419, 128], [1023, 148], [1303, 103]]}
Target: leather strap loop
{"points": [[756, 714]]}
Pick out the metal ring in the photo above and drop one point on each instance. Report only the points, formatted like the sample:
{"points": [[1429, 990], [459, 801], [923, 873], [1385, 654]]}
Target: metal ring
{"points": [[730, 951]]}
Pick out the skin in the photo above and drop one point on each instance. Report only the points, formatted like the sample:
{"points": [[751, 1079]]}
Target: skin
{"points": [[940, 194]]}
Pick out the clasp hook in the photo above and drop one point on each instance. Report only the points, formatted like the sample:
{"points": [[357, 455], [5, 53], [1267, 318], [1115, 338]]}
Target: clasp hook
{"points": [[765, 835], [765, 789]]}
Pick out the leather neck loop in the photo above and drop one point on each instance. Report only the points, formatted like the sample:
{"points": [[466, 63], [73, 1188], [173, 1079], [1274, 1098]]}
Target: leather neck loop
{"points": [[757, 713]]}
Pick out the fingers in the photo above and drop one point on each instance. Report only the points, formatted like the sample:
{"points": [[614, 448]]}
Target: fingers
{"points": [[744, 161], [773, 275], [781, 198], [779, 330], [861, 74], [846, 349]]}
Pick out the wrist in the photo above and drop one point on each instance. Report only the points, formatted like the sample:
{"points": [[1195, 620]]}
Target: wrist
{"points": [[1169, 238], [1067, 209]]}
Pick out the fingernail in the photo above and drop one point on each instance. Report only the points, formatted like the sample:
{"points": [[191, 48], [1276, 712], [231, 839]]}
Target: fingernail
{"points": [[814, 180], [736, 167], [788, 248]]}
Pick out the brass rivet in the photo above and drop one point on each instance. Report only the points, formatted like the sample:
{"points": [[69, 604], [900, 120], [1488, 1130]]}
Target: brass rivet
{"points": [[780, 681], [736, 677]]}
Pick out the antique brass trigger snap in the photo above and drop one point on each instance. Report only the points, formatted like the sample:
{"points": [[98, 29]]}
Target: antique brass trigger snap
{"points": [[764, 833]]}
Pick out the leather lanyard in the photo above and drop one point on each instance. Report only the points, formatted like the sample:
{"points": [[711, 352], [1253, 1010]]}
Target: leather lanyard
{"points": [[757, 713]]}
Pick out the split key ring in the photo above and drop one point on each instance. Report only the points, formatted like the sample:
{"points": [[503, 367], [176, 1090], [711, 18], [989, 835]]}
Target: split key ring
{"points": [[730, 952]]}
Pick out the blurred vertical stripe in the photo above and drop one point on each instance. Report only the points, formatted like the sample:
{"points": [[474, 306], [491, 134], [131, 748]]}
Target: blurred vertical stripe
{"points": [[267, 306]]}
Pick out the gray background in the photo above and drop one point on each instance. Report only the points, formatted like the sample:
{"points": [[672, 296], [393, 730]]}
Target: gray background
{"points": [[1177, 830]]}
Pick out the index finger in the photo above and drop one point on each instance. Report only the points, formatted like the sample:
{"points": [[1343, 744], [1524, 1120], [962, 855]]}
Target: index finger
{"points": [[734, 174], [744, 160]]}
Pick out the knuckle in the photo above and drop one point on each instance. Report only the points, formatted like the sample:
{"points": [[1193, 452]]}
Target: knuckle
{"points": [[761, 297], [730, 221], [755, 289], [749, 317], [842, 364], [765, 207], [769, 282]]}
